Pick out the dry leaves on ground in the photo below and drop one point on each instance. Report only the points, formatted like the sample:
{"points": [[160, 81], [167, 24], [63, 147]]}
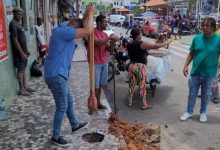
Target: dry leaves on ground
{"points": [[136, 136]]}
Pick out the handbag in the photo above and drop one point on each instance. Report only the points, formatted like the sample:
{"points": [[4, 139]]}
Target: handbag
{"points": [[35, 69]]}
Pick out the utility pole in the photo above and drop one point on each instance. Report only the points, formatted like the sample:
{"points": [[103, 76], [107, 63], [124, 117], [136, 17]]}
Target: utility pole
{"points": [[46, 16], [218, 9], [197, 7]]}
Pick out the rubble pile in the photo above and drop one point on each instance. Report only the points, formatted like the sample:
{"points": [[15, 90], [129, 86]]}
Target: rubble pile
{"points": [[136, 136]]}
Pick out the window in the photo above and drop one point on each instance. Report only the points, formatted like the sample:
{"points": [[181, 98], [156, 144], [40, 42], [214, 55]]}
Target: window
{"points": [[13, 2]]}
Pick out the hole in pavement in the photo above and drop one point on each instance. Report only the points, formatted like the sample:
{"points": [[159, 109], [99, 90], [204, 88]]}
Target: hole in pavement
{"points": [[93, 137]]}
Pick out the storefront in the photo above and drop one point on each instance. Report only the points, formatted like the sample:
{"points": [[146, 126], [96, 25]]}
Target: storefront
{"points": [[47, 9], [8, 78]]}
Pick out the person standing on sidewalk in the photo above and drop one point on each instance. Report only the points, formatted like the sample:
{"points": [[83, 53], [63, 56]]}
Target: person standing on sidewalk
{"points": [[20, 51], [100, 57], [57, 67], [204, 52], [41, 42], [131, 23]]}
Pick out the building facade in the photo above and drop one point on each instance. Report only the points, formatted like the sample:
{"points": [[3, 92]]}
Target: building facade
{"points": [[47, 9]]}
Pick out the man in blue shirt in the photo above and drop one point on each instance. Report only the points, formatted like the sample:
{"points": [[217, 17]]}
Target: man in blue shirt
{"points": [[57, 67]]}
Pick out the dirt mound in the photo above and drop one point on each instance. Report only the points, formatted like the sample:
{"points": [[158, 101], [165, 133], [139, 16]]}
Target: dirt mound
{"points": [[136, 136]]}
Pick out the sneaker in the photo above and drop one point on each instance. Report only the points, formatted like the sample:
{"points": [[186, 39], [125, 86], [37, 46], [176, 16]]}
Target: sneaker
{"points": [[60, 141], [23, 92], [203, 117], [216, 100], [185, 116], [102, 107], [81, 125], [29, 89]]}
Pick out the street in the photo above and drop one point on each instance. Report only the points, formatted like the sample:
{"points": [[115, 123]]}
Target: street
{"points": [[169, 103]]}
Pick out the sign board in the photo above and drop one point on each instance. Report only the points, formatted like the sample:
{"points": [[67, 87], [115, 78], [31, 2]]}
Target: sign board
{"points": [[3, 36]]}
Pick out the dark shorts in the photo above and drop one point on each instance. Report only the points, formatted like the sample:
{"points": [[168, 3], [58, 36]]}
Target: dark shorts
{"points": [[20, 64]]}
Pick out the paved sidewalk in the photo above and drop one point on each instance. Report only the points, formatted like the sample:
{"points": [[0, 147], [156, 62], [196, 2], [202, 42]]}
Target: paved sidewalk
{"points": [[30, 119]]}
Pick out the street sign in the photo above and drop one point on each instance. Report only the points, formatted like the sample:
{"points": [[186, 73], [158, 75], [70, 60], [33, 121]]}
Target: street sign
{"points": [[3, 37]]}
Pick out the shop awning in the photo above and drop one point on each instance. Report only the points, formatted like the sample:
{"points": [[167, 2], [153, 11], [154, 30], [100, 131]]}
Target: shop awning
{"points": [[157, 3], [122, 9], [154, 3]]}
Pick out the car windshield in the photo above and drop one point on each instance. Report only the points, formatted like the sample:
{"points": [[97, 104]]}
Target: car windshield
{"points": [[154, 23]]}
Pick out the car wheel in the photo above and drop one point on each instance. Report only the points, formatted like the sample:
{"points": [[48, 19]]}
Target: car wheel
{"points": [[118, 24]]}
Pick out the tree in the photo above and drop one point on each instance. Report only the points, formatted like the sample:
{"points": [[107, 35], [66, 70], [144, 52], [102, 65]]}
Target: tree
{"points": [[137, 9]]}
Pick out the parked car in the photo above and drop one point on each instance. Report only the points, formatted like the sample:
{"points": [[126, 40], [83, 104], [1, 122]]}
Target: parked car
{"points": [[109, 30], [150, 29], [116, 20]]}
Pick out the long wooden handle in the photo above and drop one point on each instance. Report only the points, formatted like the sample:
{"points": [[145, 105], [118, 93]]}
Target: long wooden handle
{"points": [[91, 63]]}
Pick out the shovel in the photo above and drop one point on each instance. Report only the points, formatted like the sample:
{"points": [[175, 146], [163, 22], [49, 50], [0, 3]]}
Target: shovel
{"points": [[92, 101]]}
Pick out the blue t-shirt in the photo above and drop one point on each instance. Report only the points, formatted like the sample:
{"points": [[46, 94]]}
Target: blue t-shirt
{"points": [[61, 49]]}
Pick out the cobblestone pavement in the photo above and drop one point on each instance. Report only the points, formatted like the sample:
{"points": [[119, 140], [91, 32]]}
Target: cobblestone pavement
{"points": [[29, 124]]}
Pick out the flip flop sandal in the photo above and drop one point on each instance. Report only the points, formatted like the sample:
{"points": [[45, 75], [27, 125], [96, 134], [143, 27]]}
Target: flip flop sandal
{"points": [[102, 107], [130, 103], [146, 107]]}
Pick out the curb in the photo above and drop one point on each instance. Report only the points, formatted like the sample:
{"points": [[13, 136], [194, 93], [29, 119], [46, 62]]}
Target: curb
{"points": [[106, 103]]}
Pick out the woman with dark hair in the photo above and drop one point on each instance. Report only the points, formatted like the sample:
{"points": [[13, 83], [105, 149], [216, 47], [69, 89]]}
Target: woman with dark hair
{"points": [[137, 51], [204, 52]]}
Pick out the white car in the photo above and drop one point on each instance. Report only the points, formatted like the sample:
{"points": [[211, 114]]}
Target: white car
{"points": [[117, 20], [109, 30]]}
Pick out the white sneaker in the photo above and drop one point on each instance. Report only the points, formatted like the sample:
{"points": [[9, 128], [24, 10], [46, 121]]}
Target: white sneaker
{"points": [[185, 116], [203, 117]]}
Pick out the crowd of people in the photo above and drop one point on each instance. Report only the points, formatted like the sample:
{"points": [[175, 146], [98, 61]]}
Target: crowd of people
{"points": [[204, 55], [175, 24]]}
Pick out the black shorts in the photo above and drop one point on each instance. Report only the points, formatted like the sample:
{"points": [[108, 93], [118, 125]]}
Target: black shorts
{"points": [[19, 63]]}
